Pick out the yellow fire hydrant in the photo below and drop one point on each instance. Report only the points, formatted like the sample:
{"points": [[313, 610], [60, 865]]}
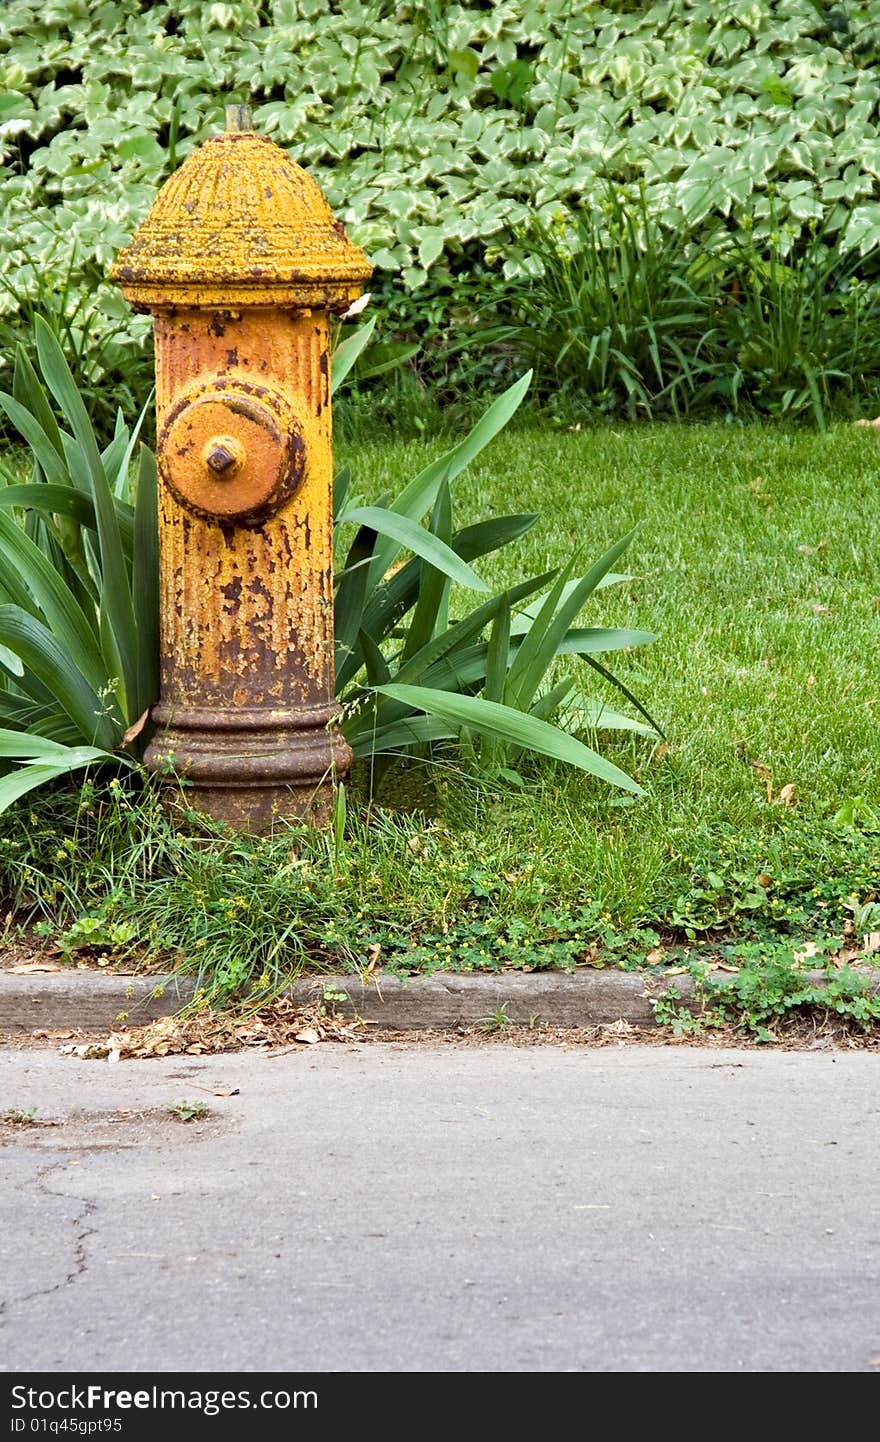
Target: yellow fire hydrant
{"points": [[242, 264]]}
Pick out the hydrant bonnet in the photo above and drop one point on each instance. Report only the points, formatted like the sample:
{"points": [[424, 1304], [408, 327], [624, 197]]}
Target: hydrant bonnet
{"points": [[241, 224]]}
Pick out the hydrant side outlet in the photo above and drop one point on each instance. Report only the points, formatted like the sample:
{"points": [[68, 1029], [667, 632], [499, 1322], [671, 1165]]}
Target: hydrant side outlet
{"points": [[242, 264]]}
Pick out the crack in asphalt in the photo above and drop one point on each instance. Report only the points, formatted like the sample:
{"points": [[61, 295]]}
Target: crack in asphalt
{"points": [[81, 1236]]}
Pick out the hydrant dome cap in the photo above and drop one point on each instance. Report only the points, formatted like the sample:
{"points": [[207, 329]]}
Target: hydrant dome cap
{"points": [[241, 218]]}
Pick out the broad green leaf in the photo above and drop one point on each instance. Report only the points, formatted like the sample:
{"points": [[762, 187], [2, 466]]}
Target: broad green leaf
{"points": [[431, 248], [465, 63]]}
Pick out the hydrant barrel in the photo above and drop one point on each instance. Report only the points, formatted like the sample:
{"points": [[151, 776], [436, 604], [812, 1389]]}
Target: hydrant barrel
{"points": [[242, 265]]}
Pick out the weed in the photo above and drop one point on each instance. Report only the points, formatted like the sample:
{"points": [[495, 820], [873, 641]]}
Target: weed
{"points": [[499, 1020], [188, 1111], [20, 1117], [767, 989]]}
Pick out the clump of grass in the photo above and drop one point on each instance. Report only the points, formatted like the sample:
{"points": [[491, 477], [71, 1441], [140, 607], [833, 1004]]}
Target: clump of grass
{"points": [[619, 313], [800, 323]]}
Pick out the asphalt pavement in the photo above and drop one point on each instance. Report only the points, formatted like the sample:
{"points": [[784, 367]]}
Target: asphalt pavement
{"points": [[424, 1207]]}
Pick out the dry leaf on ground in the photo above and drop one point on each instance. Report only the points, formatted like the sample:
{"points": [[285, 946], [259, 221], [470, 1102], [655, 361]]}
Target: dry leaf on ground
{"points": [[24, 968], [277, 1025]]}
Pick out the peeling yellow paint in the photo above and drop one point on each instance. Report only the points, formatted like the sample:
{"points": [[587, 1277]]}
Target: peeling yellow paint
{"points": [[241, 262]]}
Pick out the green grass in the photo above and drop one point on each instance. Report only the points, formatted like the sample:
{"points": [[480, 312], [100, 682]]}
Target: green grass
{"points": [[755, 564], [757, 568]]}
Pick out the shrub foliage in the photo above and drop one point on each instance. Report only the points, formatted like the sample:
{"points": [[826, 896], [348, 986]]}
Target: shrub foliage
{"points": [[440, 132]]}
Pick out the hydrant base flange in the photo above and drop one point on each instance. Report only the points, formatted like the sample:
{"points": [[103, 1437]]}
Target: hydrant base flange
{"points": [[249, 769]]}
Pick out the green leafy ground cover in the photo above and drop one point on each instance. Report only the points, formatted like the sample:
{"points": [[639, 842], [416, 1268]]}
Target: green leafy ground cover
{"points": [[759, 828], [442, 134]]}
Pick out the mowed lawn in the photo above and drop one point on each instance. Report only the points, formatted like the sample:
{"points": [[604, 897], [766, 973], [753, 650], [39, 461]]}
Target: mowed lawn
{"points": [[756, 564]]}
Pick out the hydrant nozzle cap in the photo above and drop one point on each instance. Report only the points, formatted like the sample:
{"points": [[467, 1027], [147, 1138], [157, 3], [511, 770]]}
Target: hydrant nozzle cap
{"points": [[240, 224]]}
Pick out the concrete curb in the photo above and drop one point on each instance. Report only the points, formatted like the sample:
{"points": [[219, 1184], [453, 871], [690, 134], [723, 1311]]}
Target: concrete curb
{"points": [[447, 1000], [96, 1001], [87, 1000], [100, 1001]]}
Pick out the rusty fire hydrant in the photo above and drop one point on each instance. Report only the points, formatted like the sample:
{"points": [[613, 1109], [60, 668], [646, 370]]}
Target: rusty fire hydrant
{"points": [[242, 264]]}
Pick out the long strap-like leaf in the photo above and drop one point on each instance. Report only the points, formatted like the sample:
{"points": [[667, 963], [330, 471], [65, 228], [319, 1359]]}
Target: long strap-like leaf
{"points": [[51, 500], [54, 601], [145, 583], [346, 353], [418, 497], [543, 639], [516, 728], [399, 736], [408, 533], [350, 595], [29, 427], [37, 773], [116, 601], [470, 626], [53, 667], [394, 596], [429, 616], [28, 392]]}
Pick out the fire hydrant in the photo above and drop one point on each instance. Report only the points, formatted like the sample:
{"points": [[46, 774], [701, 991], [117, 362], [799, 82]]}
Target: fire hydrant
{"points": [[242, 264]]}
